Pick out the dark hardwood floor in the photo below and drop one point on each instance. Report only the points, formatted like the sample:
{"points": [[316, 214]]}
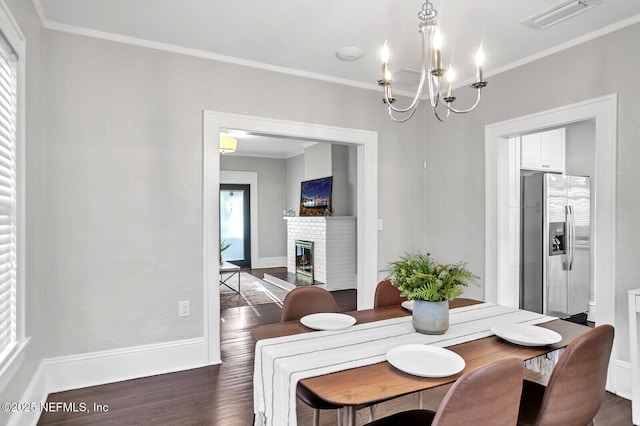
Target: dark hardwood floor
{"points": [[223, 395]]}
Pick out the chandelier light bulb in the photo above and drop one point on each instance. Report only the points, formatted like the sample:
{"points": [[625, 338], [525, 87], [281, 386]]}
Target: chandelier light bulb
{"points": [[479, 57], [450, 77], [437, 40], [451, 74], [387, 75], [479, 62], [384, 53]]}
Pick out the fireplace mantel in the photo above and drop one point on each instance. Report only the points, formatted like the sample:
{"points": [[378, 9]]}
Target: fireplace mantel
{"points": [[334, 239]]}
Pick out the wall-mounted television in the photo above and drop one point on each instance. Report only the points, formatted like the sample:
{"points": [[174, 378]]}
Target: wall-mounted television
{"points": [[315, 197]]}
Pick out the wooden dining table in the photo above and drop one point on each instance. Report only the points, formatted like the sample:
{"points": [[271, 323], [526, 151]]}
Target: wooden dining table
{"points": [[370, 384]]}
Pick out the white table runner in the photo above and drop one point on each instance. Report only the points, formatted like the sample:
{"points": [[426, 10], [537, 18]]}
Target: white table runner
{"points": [[282, 361]]}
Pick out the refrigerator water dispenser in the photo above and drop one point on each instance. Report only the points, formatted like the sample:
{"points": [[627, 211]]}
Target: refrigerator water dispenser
{"points": [[556, 239]]}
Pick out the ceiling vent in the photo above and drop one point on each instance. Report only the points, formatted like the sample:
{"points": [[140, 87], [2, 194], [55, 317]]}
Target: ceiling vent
{"points": [[559, 13]]}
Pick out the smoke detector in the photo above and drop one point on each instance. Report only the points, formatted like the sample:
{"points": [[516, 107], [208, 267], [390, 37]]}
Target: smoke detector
{"points": [[349, 54], [559, 13]]}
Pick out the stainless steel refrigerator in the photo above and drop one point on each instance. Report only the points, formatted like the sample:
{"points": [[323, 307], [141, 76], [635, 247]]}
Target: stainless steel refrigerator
{"points": [[555, 244]]}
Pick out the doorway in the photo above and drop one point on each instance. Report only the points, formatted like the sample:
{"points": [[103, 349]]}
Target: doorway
{"points": [[235, 224], [499, 259], [366, 143]]}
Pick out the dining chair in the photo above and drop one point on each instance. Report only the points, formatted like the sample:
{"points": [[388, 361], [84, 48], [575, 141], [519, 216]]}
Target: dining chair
{"points": [[488, 395], [303, 301], [576, 388], [387, 295], [307, 300]]}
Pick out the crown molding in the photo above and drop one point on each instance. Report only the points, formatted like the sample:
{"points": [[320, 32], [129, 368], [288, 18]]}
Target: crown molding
{"points": [[564, 46], [50, 25]]}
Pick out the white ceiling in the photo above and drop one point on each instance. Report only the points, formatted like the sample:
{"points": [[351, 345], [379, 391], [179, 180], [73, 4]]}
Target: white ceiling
{"points": [[301, 37]]}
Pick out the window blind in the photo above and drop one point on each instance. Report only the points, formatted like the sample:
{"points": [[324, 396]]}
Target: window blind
{"points": [[8, 249]]}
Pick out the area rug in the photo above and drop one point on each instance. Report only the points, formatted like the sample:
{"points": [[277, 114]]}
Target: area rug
{"points": [[253, 291]]}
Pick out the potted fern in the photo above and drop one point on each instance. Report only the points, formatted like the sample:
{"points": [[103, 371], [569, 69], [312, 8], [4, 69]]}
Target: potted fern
{"points": [[430, 285]]}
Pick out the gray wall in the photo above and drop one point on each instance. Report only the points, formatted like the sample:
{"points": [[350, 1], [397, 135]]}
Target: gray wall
{"points": [[344, 171], [124, 180], [320, 160], [580, 148], [295, 175], [272, 199], [317, 161]]}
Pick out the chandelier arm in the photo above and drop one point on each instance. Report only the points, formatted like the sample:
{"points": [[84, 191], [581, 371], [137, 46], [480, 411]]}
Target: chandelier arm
{"points": [[463, 111], [423, 76], [434, 91], [414, 103], [402, 120], [442, 120]]}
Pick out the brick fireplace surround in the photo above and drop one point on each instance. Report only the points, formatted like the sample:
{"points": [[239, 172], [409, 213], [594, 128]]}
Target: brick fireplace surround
{"points": [[334, 246]]}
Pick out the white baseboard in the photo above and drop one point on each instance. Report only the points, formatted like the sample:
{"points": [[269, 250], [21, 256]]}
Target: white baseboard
{"points": [[271, 262], [591, 313], [96, 368], [622, 370], [35, 393]]}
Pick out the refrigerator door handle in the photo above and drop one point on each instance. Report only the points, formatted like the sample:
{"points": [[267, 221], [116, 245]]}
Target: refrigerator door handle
{"points": [[571, 237]]}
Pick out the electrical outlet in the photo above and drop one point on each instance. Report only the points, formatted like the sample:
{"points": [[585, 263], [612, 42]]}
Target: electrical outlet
{"points": [[184, 308]]}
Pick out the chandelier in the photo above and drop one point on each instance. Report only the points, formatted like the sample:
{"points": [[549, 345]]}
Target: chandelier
{"points": [[431, 71]]}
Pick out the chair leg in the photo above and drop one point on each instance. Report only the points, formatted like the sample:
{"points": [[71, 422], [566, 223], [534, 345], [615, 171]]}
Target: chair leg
{"points": [[372, 412], [316, 417], [420, 400], [339, 417]]}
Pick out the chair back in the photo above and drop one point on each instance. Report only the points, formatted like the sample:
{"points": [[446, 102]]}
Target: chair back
{"points": [[307, 300], [489, 395], [387, 295], [577, 384]]}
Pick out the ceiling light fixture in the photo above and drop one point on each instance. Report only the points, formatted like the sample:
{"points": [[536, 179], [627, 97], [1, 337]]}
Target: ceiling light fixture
{"points": [[227, 144], [431, 70], [559, 13]]}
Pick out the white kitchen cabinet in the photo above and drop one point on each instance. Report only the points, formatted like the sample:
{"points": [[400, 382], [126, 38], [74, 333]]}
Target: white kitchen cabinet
{"points": [[543, 151]]}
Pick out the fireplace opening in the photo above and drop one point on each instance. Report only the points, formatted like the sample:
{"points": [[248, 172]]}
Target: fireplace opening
{"points": [[304, 258]]}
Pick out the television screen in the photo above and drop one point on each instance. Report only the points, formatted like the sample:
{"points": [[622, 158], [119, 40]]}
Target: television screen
{"points": [[315, 197]]}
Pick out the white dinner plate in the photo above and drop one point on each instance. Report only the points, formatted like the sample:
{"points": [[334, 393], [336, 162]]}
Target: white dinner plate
{"points": [[425, 360], [526, 334], [408, 305], [328, 321]]}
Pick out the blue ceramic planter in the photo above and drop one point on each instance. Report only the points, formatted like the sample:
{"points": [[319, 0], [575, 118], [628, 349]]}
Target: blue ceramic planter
{"points": [[430, 317]]}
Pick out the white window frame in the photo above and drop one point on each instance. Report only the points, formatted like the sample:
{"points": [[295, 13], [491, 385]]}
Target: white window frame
{"points": [[14, 358]]}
